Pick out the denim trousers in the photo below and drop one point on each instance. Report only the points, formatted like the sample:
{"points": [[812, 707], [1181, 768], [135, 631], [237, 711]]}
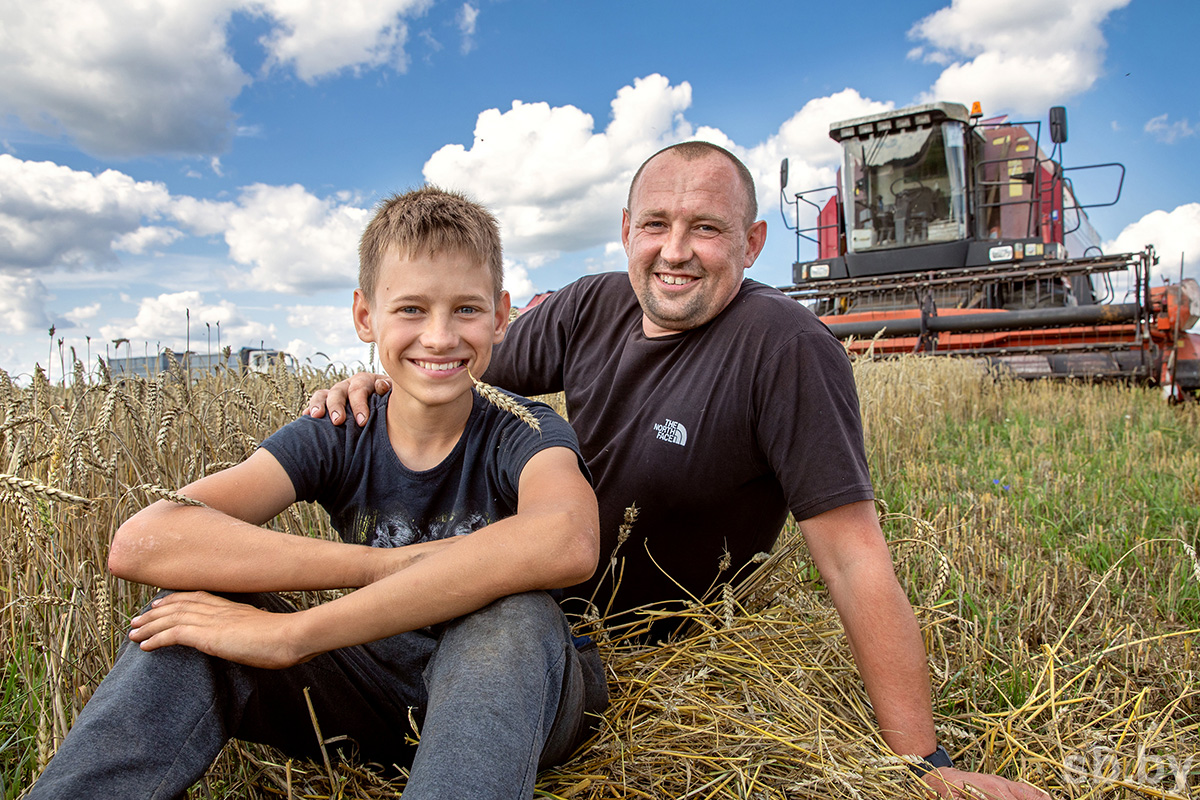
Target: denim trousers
{"points": [[496, 695]]}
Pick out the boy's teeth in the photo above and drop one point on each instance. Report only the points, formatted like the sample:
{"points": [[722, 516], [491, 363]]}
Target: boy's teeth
{"points": [[440, 367]]}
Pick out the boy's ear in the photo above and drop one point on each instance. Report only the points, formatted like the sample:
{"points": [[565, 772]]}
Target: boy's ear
{"points": [[362, 317], [503, 310]]}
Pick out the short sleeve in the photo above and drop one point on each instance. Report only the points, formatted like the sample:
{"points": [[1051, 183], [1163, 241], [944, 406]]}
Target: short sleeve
{"points": [[530, 359], [808, 424]]}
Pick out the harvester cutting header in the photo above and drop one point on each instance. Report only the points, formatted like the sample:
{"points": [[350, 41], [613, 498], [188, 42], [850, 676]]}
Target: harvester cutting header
{"points": [[951, 235]]}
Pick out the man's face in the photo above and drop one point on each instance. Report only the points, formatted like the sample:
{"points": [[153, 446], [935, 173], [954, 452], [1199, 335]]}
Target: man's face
{"points": [[687, 239]]}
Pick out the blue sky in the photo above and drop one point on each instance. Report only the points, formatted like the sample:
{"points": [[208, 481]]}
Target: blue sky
{"points": [[217, 159]]}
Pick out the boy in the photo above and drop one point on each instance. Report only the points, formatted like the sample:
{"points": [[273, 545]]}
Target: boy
{"points": [[454, 514]]}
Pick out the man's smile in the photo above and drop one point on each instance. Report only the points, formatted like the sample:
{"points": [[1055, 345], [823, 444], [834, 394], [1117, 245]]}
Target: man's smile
{"points": [[676, 280]]}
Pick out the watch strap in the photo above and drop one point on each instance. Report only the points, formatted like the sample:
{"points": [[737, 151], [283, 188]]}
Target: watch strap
{"points": [[938, 758]]}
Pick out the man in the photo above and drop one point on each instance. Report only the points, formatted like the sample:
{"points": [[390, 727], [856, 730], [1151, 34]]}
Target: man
{"points": [[716, 405]]}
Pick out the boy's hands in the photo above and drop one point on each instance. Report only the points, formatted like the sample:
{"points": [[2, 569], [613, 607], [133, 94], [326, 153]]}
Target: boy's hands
{"points": [[357, 389], [219, 627]]}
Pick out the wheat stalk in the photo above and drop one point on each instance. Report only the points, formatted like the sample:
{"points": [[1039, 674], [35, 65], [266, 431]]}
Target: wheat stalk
{"points": [[164, 493], [42, 490], [505, 403]]}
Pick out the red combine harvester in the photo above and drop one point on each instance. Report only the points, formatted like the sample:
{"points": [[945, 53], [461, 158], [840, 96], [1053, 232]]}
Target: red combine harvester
{"points": [[951, 235]]}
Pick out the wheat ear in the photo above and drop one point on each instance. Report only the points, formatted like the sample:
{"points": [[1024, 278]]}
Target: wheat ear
{"points": [[167, 494], [505, 403], [41, 490]]}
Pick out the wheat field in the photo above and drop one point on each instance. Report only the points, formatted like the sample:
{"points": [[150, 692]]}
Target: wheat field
{"points": [[1046, 534]]}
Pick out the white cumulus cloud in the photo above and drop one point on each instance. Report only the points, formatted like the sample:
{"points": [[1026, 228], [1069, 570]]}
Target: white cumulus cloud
{"points": [[1175, 235], [127, 78], [557, 181], [320, 38], [164, 319], [553, 180], [325, 331], [1021, 56], [122, 78], [294, 241], [147, 237], [55, 216], [22, 303], [803, 139], [83, 313]]}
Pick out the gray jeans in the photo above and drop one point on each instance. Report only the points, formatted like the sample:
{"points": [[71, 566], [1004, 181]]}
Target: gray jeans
{"points": [[497, 695]]}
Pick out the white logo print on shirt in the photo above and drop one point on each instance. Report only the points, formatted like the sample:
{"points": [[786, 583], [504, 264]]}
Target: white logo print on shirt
{"points": [[671, 431]]}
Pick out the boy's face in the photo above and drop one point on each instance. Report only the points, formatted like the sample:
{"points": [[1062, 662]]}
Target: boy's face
{"points": [[432, 318]]}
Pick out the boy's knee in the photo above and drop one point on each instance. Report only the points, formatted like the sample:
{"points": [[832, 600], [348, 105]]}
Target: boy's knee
{"points": [[511, 630], [525, 615]]}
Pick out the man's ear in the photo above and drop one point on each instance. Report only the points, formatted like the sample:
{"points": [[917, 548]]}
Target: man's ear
{"points": [[756, 238], [503, 313], [625, 223], [362, 317]]}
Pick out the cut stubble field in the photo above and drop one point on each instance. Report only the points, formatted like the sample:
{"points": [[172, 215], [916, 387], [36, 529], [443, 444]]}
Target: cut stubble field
{"points": [[1046, 534]]}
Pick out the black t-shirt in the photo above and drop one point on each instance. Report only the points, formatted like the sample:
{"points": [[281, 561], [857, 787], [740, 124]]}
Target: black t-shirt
{"points": [[372, 498], [714, 433]]}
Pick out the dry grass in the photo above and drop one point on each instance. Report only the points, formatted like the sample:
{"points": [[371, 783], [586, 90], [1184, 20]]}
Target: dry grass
{"points": [[1059, 604]]}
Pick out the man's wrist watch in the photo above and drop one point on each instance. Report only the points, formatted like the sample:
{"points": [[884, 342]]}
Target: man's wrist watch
{"points": [[938, 758]]}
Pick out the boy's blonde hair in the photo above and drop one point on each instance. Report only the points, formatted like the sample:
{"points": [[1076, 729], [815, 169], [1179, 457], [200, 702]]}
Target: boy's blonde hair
{"points": [[427, 221]]}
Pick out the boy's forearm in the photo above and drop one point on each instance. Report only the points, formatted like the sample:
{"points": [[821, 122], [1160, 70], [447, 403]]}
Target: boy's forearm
{"points": [[184, 547], [504, 558]]}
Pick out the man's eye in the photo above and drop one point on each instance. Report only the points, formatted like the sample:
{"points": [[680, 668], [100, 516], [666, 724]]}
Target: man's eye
{"points": [[409, 310]]}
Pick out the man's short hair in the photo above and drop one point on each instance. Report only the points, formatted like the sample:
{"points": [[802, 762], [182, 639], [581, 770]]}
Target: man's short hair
{"points": [[428, 221], [690, 151]]}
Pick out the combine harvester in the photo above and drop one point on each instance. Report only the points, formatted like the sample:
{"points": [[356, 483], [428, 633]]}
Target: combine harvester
{"points": [[951, 235]]}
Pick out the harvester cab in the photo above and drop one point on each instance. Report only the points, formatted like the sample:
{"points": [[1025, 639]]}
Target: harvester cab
{"points": [[951, 234]]}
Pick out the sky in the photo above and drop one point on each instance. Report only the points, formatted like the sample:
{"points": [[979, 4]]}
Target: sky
{"points": [[172, 172]]}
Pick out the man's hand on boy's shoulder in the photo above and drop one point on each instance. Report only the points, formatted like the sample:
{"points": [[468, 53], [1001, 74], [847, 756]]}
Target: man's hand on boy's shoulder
{"points": [[220, 627], [356, 389]]}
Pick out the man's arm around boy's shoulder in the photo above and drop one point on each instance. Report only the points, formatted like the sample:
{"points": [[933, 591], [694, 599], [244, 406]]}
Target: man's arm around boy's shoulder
{"points": [[551, 542]]}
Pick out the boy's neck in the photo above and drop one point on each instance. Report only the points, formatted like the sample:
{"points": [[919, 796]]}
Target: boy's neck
{"points": [[422, 436]]}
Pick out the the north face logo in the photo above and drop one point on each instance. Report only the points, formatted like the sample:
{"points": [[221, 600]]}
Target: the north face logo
{"points": [[671, 431]]}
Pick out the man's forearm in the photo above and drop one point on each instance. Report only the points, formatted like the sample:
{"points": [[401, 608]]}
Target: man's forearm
{"points": [[848, 547], [890, 654]]}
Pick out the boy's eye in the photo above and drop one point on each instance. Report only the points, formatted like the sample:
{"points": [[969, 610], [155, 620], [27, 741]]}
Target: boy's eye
{"points": [[409, 310], [468, 310]]}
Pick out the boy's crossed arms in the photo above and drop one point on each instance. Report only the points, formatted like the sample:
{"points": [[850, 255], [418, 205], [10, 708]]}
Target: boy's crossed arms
{"points": [[551, 542]]}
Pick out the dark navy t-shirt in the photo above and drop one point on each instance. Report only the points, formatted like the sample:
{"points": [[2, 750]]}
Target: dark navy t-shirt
{"points": [[373, 499]]}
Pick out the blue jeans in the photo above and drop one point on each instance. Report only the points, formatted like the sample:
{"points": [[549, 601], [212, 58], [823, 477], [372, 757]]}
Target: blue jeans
{"points": [[498, 694]]}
